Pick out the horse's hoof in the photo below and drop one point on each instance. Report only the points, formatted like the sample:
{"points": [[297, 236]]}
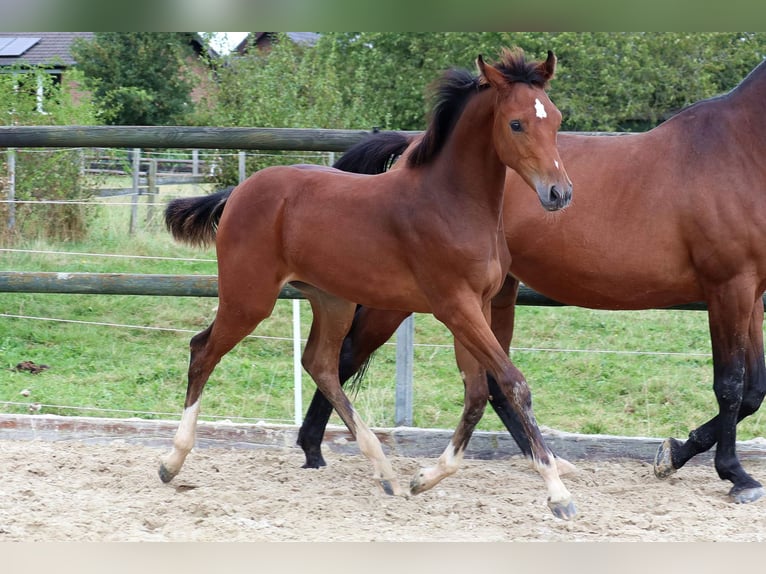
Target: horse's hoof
{"points": [[314, 460], [165, 475], [746, 495], [663, 460], [314, 463], [564, 511]]}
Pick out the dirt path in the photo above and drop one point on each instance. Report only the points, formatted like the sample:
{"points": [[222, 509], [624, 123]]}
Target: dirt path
{"points": [[70, 491]]}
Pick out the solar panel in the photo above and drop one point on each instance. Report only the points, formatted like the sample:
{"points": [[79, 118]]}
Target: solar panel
{"points": [[16, 46]]}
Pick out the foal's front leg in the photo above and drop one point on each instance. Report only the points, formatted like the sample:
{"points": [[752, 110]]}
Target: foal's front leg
{"points": [[475, 401], [468, 323]]}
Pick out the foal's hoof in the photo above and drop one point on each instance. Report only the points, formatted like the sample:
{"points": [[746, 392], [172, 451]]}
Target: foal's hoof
{"points": [[563, 510], [663, 460], [745, 495], [416, 484], [165, 475], [391, 487], [387, 487]]}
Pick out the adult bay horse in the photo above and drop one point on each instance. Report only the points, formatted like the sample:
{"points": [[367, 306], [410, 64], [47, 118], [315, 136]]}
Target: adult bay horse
{"points": [[666, 217], [426, 237]]}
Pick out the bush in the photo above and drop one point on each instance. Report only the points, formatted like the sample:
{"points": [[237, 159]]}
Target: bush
{"points": [[51, 175]]}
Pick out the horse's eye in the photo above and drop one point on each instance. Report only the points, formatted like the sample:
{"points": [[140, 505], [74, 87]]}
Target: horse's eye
{"points": [[516, 126]]}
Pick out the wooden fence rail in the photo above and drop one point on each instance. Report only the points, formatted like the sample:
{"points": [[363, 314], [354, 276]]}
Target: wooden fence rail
{"points": [[287, 139]]}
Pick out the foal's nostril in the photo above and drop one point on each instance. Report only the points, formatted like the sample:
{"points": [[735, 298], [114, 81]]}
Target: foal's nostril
{"points": [[555, 195]]}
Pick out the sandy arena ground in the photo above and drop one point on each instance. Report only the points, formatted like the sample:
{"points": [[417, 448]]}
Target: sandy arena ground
{"points": [[72, 491]]}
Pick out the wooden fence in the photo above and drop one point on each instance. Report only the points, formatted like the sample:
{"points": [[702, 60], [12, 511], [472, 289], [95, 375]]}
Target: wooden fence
{"points": [[200, 286]]}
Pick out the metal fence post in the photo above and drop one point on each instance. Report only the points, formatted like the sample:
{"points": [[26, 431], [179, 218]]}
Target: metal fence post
{"points": [[405, 354]]}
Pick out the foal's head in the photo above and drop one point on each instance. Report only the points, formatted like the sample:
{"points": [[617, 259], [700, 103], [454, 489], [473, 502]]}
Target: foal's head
{"points": [[526, 124]]}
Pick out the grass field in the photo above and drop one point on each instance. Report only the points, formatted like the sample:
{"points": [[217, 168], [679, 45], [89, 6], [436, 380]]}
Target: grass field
{"points": [[643, 373]]}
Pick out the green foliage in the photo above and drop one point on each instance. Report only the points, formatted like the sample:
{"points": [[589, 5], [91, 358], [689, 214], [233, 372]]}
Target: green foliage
{"points": [[45, 174], [137, 78], [605, 80]]}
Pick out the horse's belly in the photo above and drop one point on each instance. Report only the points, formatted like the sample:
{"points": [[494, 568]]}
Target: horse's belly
{"points": [[612, 286]]}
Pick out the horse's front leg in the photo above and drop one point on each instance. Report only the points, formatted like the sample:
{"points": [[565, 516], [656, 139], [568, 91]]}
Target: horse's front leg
{"points": [[369, 330], [739, 385]]}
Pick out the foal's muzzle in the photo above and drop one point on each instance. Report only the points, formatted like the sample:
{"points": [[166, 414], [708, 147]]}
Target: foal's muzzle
{"points": [[555, 197]]}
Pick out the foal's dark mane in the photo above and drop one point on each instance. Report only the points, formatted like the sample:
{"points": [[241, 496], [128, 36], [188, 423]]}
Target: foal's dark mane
{"points": [[453, 91]]}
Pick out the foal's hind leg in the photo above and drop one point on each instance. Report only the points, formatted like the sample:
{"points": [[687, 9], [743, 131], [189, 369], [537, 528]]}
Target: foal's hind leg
{"points": [[369, 330], [332, 319], [740, 382], [207, 348]]}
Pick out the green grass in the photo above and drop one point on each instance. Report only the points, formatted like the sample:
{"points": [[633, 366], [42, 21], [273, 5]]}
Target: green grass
{"points": [[105, 370]]}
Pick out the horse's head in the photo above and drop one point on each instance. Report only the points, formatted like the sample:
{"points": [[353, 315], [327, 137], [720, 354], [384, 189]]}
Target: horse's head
{"points": [[526, 124]]}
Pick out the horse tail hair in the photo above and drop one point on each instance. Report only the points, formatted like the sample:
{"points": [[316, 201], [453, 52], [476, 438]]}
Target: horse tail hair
{"points": [[374, 154], [194, 220]]}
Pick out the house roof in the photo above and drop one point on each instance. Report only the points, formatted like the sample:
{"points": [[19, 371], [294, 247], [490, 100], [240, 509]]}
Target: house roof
{"points": [[51, 48], [262, 38]]}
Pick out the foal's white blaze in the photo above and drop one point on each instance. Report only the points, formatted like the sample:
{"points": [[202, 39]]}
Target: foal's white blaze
{"points": [[556, 163], [540, 109]]}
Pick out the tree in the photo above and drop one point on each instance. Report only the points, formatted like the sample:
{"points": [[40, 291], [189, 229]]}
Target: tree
{"points": [[137, 78], [605, 81]]}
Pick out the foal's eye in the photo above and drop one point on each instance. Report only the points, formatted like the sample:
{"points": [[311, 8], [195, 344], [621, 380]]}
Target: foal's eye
{"points": [[516, 126]]}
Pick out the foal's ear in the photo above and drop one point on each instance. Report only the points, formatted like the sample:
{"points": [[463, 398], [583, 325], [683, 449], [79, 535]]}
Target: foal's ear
{"points": [[489, 75], [548, 68]]}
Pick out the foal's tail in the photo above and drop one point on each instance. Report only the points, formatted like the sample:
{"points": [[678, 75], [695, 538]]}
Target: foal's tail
{"points": [[374, 154], [194, 220]]}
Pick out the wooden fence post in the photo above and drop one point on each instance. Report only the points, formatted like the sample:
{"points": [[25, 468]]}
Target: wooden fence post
{"points": [[152, 191], [134, 198], [11, 188]]}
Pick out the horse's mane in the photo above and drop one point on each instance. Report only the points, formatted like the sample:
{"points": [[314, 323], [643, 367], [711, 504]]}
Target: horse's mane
{"points": [[455, 88]]}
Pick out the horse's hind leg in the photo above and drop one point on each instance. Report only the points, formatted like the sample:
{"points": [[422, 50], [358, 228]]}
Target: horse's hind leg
{"points": [[740, 385], [503, 319], [332, 319], [369, 330], [206, 350], [470, 327]]}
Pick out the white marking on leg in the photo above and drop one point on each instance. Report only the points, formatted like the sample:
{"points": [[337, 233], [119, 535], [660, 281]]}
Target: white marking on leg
{"points": [[183, 441], [557, 492], [373, 450], [540, 109], [449, 462]]}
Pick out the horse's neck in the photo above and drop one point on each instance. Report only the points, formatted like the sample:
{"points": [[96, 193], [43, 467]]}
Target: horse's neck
{"points": [[749, 97], [469, 160]]}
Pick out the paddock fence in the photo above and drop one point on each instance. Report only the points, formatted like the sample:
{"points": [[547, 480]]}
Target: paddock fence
{"points": [[140, 138]]}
